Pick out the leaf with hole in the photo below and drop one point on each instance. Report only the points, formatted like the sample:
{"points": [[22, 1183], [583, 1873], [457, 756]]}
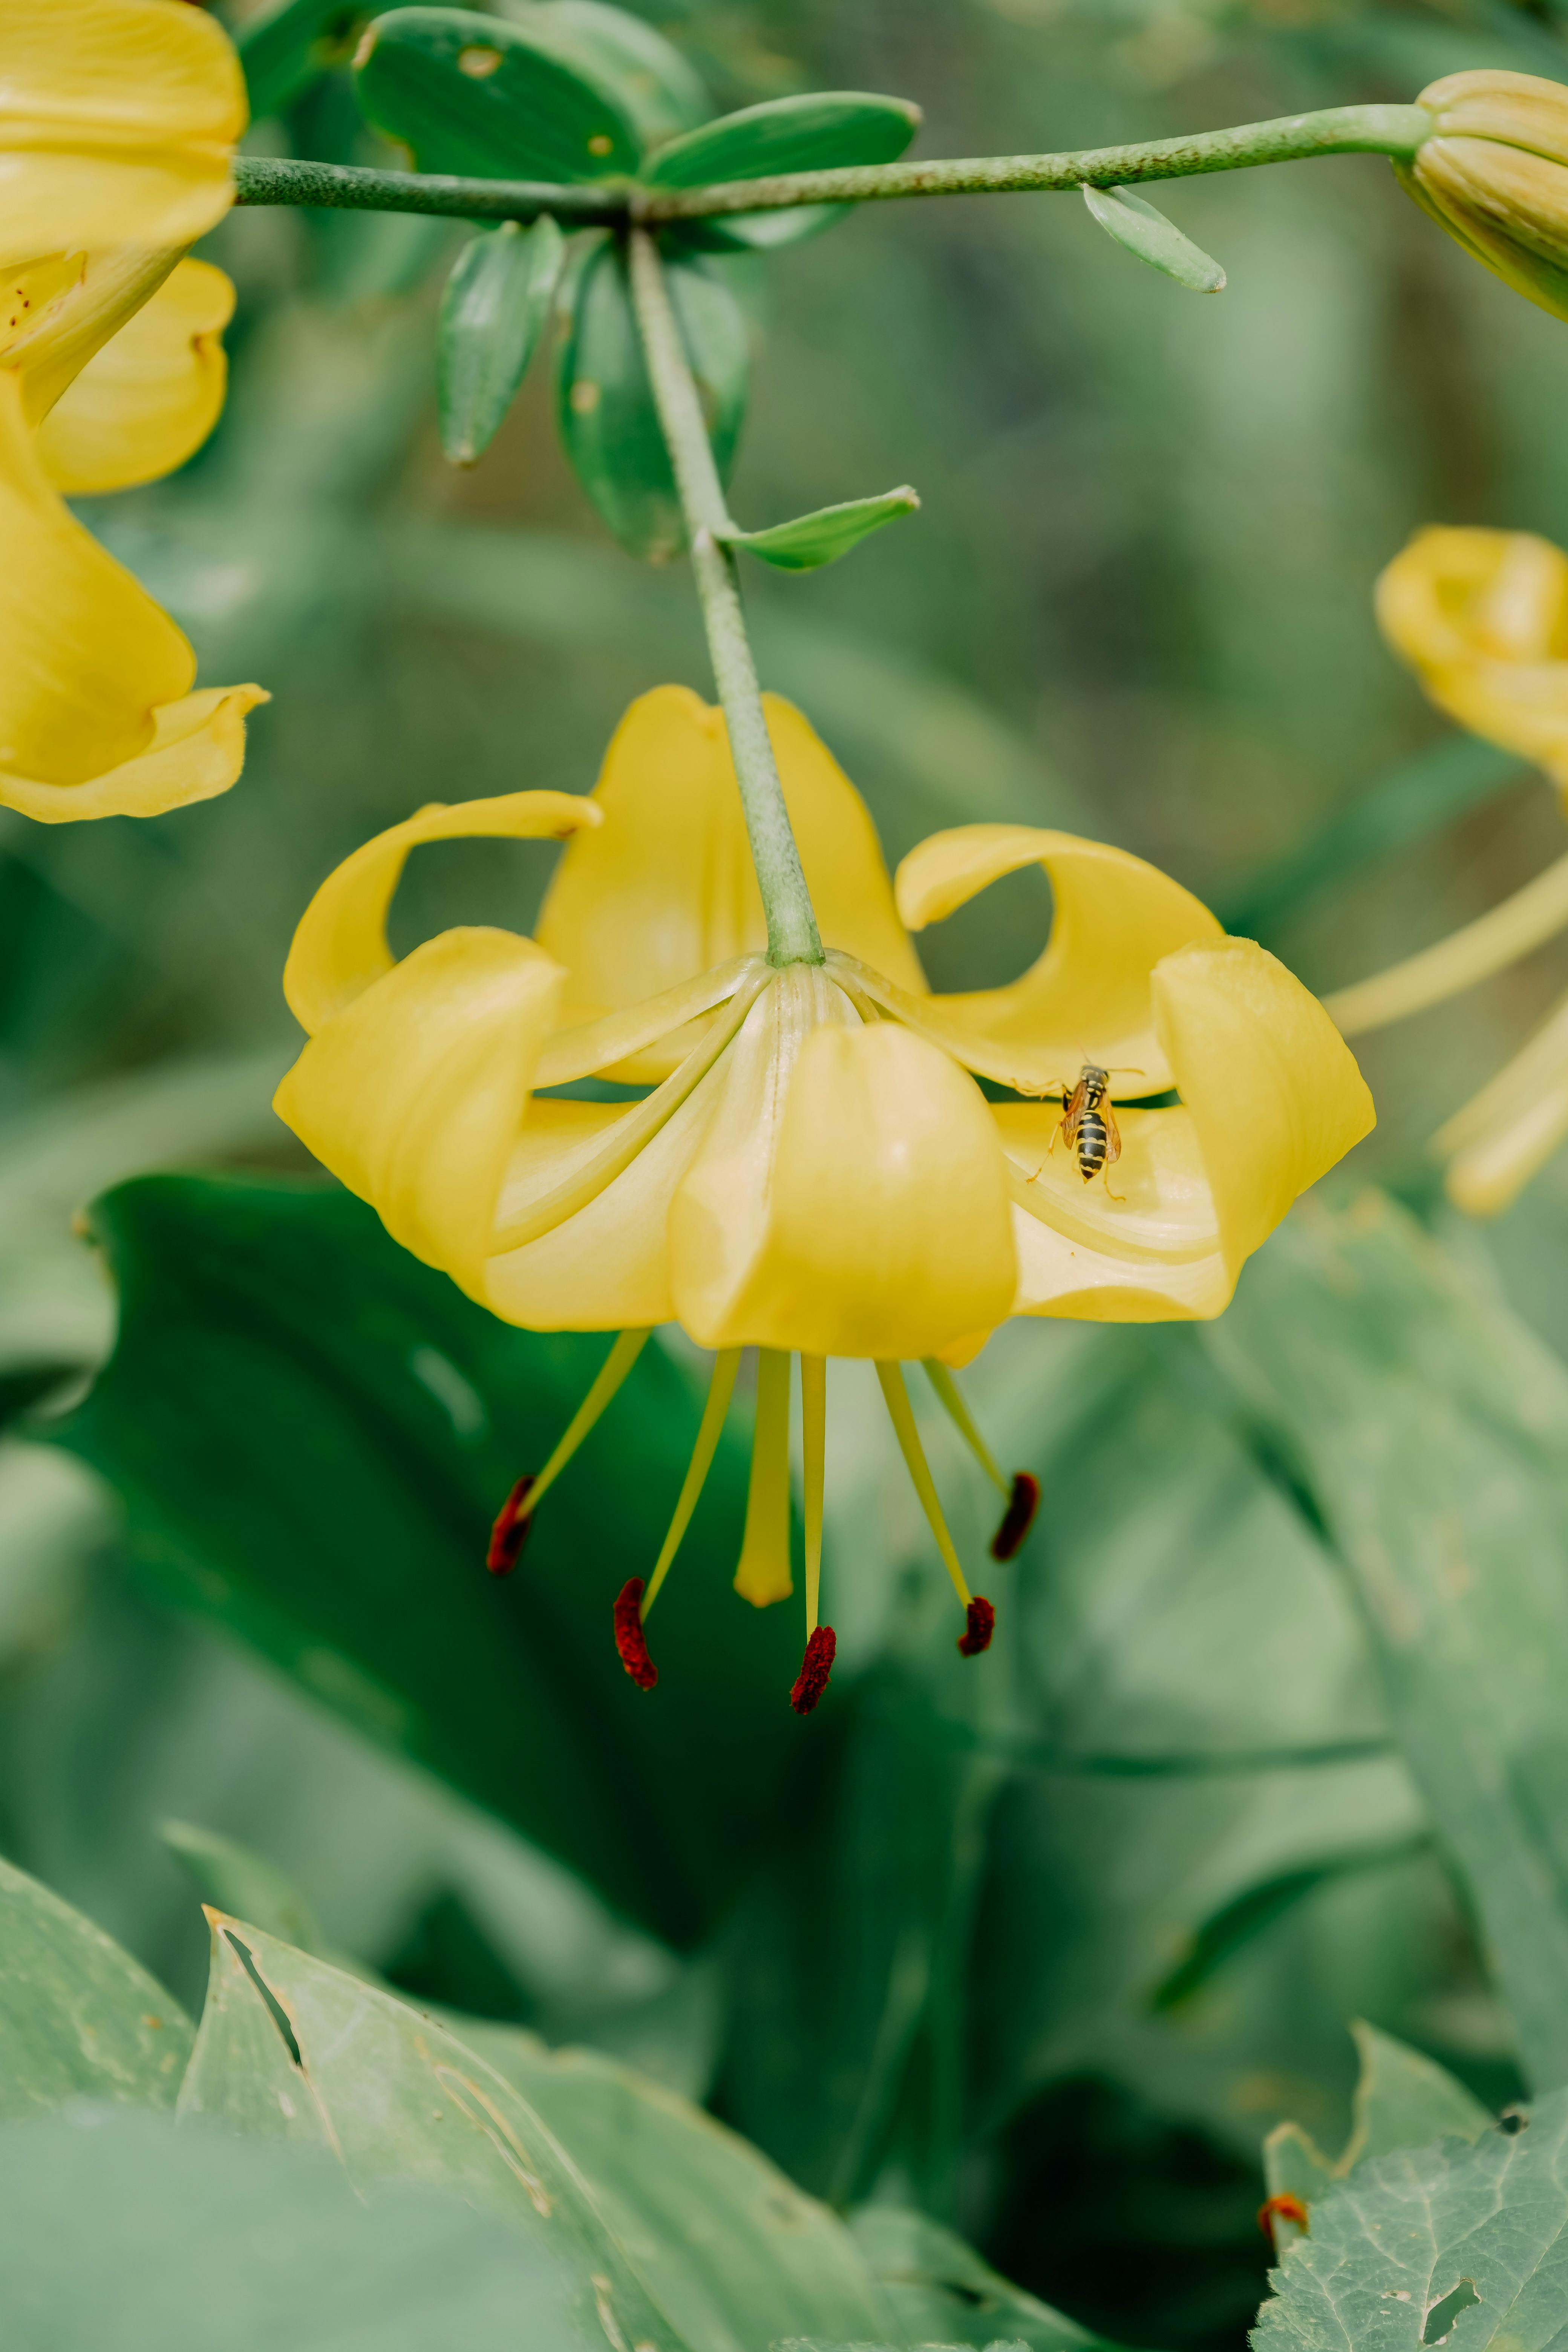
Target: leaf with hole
{"points": [[817, 130], [232, 1877], [811, 541], [475, 95], [609, 425], [1154, 238], [659, 91], [493, 311]]}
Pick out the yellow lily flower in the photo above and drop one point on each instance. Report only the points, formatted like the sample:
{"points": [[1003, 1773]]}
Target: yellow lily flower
{"points": [[1495, 175], [1482, 618], [814, 1171]]}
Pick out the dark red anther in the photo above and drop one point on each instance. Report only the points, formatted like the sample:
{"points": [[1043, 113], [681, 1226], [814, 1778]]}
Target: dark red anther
{"points": [[630, 1639], [509, 1532], [1019, 1516], [1282, 2208], [979, 1625], [815, 1669]]}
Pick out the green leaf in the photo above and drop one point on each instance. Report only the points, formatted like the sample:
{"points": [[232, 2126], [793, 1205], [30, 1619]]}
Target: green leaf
{"points": [[312, 1432], [284, 47], [816, 131], [940, 2290], [659, 91], [79, 2017], [1154, 238], [1227, 1930], [129, 2230], [813, 540], [493, 312], [604, 407], [1472, 2230], [473, 94], [232, 1877], [1432, 1431]]}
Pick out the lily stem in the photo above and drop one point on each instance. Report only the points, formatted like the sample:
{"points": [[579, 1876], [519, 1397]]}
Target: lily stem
{"points": [[1395, 130], [793, 936]]}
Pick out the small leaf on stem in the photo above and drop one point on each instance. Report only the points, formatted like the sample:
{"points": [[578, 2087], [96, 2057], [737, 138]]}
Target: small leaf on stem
{"points": [[812, 539], [1154, 238], [493, 312]]}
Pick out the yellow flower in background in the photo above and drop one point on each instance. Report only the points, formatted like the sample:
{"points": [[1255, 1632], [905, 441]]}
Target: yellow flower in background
{"points": [[813, 1170], [1481, 616], [1495, 174], [118, 121]]}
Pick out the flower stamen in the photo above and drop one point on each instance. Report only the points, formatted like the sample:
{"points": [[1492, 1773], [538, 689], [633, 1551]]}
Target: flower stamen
{"points": [[511, 1531], [630, 1639], [721, 1388], [1022, 1491], [813, 1434], [979, 1625], [901, 1414], [815, 1669]]}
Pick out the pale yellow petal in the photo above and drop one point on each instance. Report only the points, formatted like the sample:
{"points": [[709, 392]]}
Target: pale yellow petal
{"points": [[1273, 1091], [198, 751], [414, 1095], [90, 658], [1072, 1283], [1087, 999], [340, 948], [150, 396], [850, 1197], [666, 890], [1482, 618], [117, 121]]}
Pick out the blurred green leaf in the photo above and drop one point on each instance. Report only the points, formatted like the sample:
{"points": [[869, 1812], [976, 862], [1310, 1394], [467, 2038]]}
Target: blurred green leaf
{"points": [[940, 2290], [1154, 239], [284, 46], [1432, 1431], [474, 94], [493, 312], [232, 1878], [124, 2229], [813, 540], [1402, 2099], [660, 92], [1409, 2245], [815, 130], [79, 2018], [1230, 1929], [609, 425], [312, 1432]]}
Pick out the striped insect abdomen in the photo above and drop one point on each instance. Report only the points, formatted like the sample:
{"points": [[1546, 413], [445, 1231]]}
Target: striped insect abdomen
{"points": [[1091, 1144]]}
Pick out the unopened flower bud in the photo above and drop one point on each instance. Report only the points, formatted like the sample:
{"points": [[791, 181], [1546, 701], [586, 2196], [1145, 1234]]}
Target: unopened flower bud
{"points": [[1494, 172]]}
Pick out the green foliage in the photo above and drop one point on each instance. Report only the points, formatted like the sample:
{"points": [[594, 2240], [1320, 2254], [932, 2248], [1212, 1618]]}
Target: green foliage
{"points": [[1146, 232], [286, 45], [656, 86], [816, 131], [474, 94], [79, 2019], [493, 311], [811, 541]]}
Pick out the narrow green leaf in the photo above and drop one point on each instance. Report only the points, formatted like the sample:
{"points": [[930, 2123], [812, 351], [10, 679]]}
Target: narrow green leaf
{"points": [[816, 131], [942, 2290], [286, 47], [1230, 1929], [604, 405], [473, 94], [659, 91], [1154, 238], [813, 540], [79, 2017], [234, 1878], [493, 311], [1432, 1430], [130, 2230]]}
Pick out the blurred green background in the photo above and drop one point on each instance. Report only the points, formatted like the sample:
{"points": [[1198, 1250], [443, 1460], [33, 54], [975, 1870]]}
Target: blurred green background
{"points": [[1136, 603]]}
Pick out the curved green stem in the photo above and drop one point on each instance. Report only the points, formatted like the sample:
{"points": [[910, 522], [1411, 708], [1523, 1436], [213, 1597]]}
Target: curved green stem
{"points": [[793, 936], [354, 187]]}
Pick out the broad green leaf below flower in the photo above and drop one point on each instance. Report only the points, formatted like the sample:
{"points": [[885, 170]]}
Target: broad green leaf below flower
{"points": [[471, 93]]}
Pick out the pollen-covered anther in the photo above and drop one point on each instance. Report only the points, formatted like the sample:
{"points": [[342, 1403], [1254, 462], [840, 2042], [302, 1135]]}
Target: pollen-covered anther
{"points": [[815, 1669], [1019, 1516], [509, 1532], [979, 1625], [630, 1639], [1283, 2208]]}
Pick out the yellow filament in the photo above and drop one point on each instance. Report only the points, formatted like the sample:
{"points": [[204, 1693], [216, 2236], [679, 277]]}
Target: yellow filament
{"points": [[1512, 931], [764, 1574], [1508, 1131], [726, 1364], [813, 1432], [947, 1388], [903, 1419], [611, 1373]]}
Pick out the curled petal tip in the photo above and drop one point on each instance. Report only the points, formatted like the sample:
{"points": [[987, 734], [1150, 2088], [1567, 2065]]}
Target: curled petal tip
{"points": [[815, 1669], [630, 1639], [1018, 1518], [509, 1532], [979, 1625]]}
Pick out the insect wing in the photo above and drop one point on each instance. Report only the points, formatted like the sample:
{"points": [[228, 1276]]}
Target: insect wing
{"points": [[1112, 1134]]}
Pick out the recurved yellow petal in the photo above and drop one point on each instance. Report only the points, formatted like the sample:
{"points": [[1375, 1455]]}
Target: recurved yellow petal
{"points": [[1087, 999], [412, 1096], [147, 399], [340, 949], [90, 658], [850, 1197], [118, 119], [1273, 1091], [666, 890], [1482, 618], [197, 750]]}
